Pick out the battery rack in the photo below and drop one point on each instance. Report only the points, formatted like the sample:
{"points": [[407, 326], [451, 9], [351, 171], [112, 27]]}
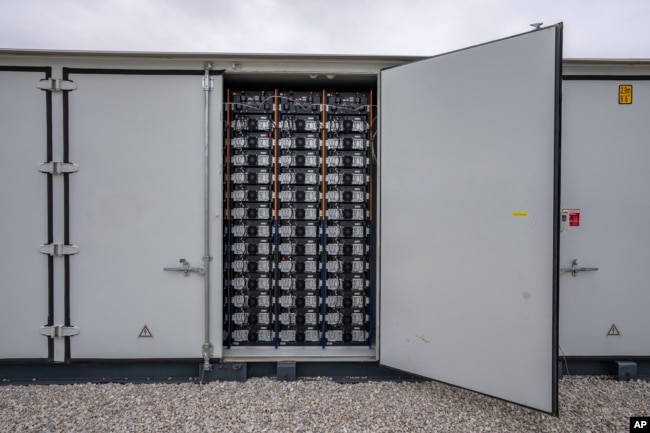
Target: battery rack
{"points": [[298, 218], [249, 215]]}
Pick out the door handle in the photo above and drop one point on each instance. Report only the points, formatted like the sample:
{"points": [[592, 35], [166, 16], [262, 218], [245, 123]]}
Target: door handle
{"points": [[575, 268], [186, 268]]}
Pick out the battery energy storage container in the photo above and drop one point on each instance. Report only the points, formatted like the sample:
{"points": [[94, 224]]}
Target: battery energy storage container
{"points": [[230, 209]]}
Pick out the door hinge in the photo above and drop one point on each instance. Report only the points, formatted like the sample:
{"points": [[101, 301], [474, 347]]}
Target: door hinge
{"points": [[57, 167], [208, 83], [56, 85], [58, 249], [59, 331]]}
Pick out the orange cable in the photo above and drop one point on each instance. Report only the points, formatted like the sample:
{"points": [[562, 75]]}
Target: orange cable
{"points": [[228, 154], [275, 155], [323, 169], [370, 136]]}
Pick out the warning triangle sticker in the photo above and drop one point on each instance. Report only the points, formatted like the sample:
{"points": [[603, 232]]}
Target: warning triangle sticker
{"points": [[613, 330], [145, 333]]}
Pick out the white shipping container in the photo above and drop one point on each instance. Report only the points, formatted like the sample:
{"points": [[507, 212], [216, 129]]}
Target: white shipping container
{"points": [[113, 212]]}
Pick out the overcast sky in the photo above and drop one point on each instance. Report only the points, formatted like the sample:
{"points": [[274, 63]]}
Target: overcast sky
{"points": [[592, 28]]}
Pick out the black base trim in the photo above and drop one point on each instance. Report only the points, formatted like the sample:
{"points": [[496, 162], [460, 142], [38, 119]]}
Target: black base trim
{"points": [[21, 371], [157, 371], [602, 366]]}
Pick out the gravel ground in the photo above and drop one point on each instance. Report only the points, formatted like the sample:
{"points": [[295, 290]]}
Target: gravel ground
{"points": [[587, 404]]}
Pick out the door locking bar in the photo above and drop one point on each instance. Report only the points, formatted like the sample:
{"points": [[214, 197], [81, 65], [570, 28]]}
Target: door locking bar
{"points": [[575, 268], [185, 268]]}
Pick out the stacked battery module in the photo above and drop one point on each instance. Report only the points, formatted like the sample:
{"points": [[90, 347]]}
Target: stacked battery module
{"points": [[298, 218]]}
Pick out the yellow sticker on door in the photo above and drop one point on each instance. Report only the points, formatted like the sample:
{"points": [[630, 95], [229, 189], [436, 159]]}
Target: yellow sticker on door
{"points": [[625, 94], [519, 214]]}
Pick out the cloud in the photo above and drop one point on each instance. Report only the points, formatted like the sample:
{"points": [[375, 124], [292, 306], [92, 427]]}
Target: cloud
{"points": [[593, 28]]}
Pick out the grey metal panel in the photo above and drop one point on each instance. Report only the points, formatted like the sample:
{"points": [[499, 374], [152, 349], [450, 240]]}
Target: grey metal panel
{"points": [[467, 290], [23, 198], [605, 175], [136, 206]]}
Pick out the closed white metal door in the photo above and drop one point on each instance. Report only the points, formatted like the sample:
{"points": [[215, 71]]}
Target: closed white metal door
{"points": [[468, 229], [605, 179], [136, 207], [24, 283]]}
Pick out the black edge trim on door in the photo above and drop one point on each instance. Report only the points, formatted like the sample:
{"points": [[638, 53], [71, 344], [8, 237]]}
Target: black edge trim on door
{"points": [[606, 77], [94, 71], [66, 214], [50, 221], [50, 212], [66, 158], [557, 177], [45, 69]]}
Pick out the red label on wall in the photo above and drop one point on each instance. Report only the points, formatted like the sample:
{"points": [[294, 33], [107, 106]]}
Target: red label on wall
{"points": [[574, 217]]}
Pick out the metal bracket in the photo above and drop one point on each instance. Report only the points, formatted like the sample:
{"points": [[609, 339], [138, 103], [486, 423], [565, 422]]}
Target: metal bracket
{"points": [[56, 167], [59, 331], [186, 268], [58, 249], [286, 371], [208, 350], [208, 82], [574, 269], [56, 85]]}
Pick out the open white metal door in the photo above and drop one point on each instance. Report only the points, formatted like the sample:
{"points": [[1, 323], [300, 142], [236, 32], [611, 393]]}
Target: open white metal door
{"points": [[469, 217]]}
